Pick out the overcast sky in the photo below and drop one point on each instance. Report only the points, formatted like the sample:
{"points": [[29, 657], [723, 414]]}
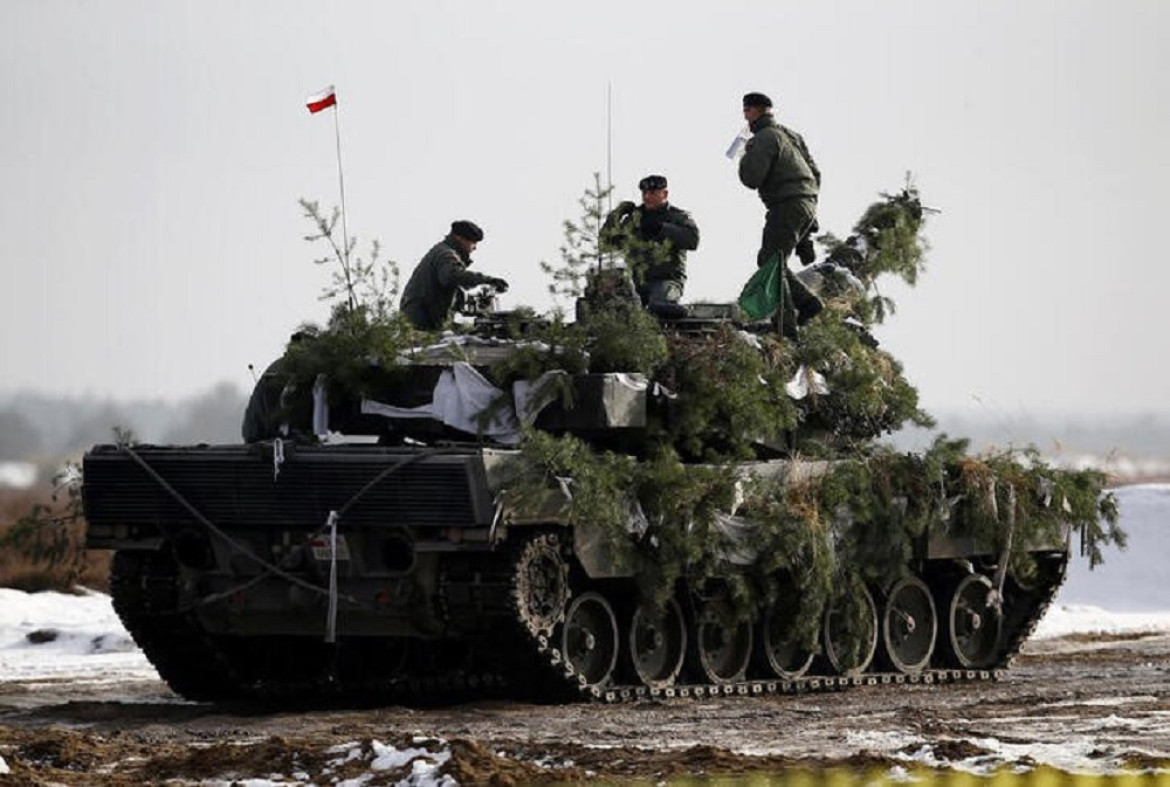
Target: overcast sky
{"points": [[153, 153]]}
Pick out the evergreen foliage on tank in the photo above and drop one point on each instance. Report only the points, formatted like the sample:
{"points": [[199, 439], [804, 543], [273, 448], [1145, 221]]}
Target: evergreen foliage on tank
{"points": [[725, 398]]}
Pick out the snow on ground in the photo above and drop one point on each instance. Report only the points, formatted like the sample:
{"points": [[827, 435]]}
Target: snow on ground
{"points": [[1064, 619], [17, 475], [56, 635], [378, 757]]}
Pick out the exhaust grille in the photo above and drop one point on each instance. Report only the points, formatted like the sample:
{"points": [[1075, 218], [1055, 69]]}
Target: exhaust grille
{"points": [[233, 487]]}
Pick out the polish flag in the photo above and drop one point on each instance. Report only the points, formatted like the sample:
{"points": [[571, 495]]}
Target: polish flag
{"points": [[323, 100]]}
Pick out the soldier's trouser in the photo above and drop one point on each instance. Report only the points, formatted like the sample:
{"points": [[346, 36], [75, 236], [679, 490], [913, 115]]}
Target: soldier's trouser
{"points": [[660, 291], [784, 225], [662, 296]]}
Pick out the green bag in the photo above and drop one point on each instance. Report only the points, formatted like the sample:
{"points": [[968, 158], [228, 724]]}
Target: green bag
{"points": [[761, 295]]}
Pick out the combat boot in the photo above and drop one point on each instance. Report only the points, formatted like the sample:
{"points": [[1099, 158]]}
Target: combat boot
{"points": [[807, 304]]}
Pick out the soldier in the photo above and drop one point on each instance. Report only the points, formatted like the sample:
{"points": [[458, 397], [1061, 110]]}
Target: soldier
{"points": [[777, 163], [266, 415], [430, 296], [654, 238]]}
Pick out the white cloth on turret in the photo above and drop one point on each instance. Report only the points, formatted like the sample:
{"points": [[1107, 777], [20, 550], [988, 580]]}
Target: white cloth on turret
{"points": [[806, 381], [460, 397]]}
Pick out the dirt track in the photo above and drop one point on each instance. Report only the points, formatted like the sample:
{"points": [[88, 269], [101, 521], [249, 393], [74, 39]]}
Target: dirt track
{"points": [[1079, 703]]}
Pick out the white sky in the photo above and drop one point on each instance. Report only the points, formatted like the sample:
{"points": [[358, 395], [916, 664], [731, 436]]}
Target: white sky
{"points": [[153, 154]]}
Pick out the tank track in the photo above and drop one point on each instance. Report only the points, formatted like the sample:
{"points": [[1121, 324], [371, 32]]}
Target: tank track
{"points": [[1021, 621], [1034, 604], [144, 590], [523, 662]]}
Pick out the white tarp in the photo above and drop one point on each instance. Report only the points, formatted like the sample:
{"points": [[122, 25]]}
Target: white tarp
{"points": [[460, 396], [806, 381], [532, 396], [739, 549]]}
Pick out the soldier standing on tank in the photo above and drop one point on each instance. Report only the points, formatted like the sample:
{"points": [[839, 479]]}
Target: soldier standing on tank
{"points": [[654, 238], [429, 298], [778, 165]]}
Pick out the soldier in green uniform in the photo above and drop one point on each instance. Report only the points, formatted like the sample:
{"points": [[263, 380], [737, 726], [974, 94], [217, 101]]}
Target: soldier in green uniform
{"points": [[267, 415], [654, 238], [430, 296], [778, 165]]}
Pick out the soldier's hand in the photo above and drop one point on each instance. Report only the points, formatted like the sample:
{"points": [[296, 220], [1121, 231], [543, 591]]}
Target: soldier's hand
{"points": [[806, 251], [626, 207], [499, 285]]}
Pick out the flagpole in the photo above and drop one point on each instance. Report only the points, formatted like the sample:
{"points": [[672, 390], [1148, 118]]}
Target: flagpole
{"points": [[341, 184]]}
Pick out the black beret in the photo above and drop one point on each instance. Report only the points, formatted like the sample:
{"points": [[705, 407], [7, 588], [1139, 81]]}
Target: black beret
{"points": [[652, 183], [467, 229], [757, 100]]}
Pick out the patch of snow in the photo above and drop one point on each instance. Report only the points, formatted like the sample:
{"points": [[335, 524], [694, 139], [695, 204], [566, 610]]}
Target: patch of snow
{"points": [[924, 755], [881, 741], [72, 635], [900, 774], [1066, 755], [388, 758], [1104, 702], [1072, 753], [1064, 619], [3, 767], [18, 475], [424, 764], [1113, 721]]}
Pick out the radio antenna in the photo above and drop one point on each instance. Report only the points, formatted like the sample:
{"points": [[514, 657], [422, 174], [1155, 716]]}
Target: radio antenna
{"points": [[609, 145], [608, 171]]}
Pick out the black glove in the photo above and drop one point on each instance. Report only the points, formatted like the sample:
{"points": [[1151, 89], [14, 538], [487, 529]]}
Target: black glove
{"points": [[805, 251], [625, 208], [499, 284]]}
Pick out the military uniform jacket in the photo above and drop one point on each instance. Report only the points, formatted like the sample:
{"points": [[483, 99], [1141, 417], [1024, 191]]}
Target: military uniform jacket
{"points": [[777, 163], [430, 294], [654, 242]]}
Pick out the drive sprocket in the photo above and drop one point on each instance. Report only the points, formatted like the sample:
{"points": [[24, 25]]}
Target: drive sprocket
{"points": [[541, 584]]}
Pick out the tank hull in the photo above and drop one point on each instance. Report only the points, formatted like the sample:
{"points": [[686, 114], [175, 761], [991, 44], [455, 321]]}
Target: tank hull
{"points": [[371, 574]]}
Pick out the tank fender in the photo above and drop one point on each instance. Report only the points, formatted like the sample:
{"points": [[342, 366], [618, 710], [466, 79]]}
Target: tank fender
{"points": [[604, 553]]}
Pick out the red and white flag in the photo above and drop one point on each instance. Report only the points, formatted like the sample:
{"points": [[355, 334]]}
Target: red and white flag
{"points": [[323, 100]]}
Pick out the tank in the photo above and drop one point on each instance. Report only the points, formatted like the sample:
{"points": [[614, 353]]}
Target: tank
{"points": [[623, 506]]}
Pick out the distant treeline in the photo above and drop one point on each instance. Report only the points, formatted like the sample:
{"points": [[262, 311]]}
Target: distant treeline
{"points": [[1140, 436], [46, 429]]}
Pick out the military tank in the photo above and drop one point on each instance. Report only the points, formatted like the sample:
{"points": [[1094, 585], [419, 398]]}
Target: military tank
{"points": [[616, 508]]}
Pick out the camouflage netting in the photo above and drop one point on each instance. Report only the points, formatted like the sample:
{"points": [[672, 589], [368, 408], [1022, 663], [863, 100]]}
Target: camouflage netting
{"points": [[857, 522]]}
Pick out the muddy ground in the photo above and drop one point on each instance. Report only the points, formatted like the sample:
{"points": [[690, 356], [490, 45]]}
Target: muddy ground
{"points": [[1080, 703]]}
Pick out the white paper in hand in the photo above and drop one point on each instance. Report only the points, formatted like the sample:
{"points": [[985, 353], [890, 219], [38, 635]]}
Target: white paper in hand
{"points": [[735, 149]]}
